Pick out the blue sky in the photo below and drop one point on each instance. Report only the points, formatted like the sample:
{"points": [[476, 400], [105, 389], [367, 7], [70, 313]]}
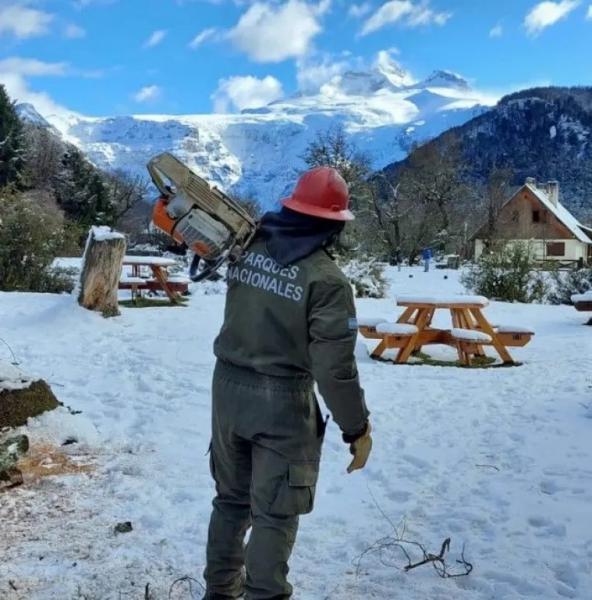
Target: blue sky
{"points": [[102, 57]]}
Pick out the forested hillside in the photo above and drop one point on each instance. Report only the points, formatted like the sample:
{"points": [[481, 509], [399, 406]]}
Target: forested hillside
{"points": [[544, 133], [50, 194]]}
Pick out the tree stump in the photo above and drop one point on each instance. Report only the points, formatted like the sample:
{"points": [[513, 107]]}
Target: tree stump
{"points": [[101, 271]]}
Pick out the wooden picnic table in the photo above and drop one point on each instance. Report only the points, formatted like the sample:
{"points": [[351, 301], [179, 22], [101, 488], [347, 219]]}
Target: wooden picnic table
{"points": [[470, 330], [159, 280]]}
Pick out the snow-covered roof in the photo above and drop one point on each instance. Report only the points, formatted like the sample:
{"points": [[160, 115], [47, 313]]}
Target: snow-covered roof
{"points": [[561, 213]]}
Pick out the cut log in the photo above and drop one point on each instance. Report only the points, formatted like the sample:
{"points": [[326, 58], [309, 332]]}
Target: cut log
{"points": [[11, 450], [99, 280], [17, 405]]}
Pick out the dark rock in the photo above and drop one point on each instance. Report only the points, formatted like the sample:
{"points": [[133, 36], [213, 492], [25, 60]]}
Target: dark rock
{"points": [[16, 406], [11, 450], [124, 527]]}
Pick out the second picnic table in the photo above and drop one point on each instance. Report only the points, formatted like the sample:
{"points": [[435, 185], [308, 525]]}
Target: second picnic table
{"points": [[160, 279], [583, 303], [470, 331]]}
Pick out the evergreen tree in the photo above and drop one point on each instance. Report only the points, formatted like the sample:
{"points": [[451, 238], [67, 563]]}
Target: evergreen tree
{"points": [[82, 193], [11, 141]]}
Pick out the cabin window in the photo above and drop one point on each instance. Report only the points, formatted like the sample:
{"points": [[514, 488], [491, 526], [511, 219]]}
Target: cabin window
{"points": [[556, 249], [515, 216], [536, 216]]}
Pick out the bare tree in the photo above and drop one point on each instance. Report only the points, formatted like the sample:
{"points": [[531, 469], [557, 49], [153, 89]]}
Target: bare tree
{"points": [[495, 194], [432, 197], [332, 148], [125, 191]]}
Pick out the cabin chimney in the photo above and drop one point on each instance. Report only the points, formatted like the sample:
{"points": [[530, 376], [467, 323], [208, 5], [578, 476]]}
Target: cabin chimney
{"points": [[553, 192], [531, 181]]}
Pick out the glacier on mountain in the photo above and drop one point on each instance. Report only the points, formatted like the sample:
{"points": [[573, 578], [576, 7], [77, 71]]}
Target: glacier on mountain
{"points": [[259, 152]]}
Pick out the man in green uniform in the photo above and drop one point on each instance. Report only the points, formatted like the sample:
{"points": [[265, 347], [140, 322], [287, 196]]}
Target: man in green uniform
{"points": [[289, 322]]}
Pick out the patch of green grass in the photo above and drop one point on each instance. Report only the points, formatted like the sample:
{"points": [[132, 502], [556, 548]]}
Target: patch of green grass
{"points": [[146, 303], [423, 359], [478, 362]]}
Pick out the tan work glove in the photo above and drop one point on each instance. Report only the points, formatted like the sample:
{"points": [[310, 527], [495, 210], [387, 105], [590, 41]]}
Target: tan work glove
{"points": [[360, 448]]}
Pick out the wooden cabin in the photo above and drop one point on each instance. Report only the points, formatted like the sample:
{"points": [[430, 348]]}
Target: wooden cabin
{"points": [[534, 215]]}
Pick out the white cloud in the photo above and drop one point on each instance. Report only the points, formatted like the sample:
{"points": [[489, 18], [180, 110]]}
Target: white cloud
{"points": [[155, 38], [148, 93], [547, 13], [589, 13], [84, 3], [497, 31], [273, 33], [323, 7], [405, 12], [74, 31], [23, 21], [14, 72], [313, 72], [31, 67], [357, 11], [203, 36], [239, 93]]}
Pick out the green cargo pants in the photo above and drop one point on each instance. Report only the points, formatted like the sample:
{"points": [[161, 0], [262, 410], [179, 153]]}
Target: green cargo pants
{"points": [[267, 434]]}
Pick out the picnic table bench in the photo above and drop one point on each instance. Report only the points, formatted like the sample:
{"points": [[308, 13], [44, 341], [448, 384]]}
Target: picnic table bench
{"points": [[470, 330], [158, 278], [583, 303]]}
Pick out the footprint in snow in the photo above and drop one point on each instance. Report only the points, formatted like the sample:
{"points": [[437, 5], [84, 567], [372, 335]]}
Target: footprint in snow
{"points": [[549, 487], [421, 464]]}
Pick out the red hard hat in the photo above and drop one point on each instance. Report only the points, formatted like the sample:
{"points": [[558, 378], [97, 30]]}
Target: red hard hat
{"points": [[321, 192]]}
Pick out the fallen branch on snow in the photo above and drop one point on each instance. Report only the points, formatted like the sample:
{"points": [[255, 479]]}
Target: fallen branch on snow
{"points": [[190, 581], [399, 544]]}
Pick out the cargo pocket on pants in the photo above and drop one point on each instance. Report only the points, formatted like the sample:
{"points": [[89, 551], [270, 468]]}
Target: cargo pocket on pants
{"points": [[296, 492], [212, 464]]}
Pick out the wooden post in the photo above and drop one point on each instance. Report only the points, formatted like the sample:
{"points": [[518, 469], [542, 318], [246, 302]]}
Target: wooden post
{"points": [[102, 262]]}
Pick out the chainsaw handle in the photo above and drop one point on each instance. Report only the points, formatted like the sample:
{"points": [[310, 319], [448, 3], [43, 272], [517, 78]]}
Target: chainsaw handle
{"points": [[196, 274]]}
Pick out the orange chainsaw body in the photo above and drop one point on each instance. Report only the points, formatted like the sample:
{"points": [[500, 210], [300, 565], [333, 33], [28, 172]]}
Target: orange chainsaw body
{"points": [[164, 222], [194, 213]]}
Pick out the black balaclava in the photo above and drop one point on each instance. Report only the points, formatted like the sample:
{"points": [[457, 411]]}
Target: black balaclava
{"points": [[290, 236]]}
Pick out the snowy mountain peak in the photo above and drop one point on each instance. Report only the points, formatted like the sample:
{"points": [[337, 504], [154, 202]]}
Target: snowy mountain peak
{"points": [[446, 79], [258, 153], [356, 83], [27, 112], [392, 70], [386, 73]]}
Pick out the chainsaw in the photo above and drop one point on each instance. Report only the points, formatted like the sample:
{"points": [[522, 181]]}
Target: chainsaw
{"points": [[198, 215]]}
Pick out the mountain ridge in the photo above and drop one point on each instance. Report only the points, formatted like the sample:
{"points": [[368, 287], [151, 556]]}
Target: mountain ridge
{"points": [[545, 133], [258, 153]]}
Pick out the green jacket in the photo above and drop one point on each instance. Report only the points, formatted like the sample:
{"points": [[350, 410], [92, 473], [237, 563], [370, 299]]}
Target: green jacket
{"points": [[298, 321]]}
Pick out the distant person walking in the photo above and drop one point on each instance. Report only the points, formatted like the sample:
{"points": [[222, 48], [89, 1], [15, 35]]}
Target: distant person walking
{"points": [[398, 258], [427, 257]]}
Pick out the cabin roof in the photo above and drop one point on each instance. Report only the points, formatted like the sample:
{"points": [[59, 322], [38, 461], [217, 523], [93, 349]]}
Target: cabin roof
{"points": [[579, 231]]}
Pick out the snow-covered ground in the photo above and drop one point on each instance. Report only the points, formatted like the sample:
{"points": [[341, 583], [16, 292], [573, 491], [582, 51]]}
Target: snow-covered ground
{"points": [[500, 460]]}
